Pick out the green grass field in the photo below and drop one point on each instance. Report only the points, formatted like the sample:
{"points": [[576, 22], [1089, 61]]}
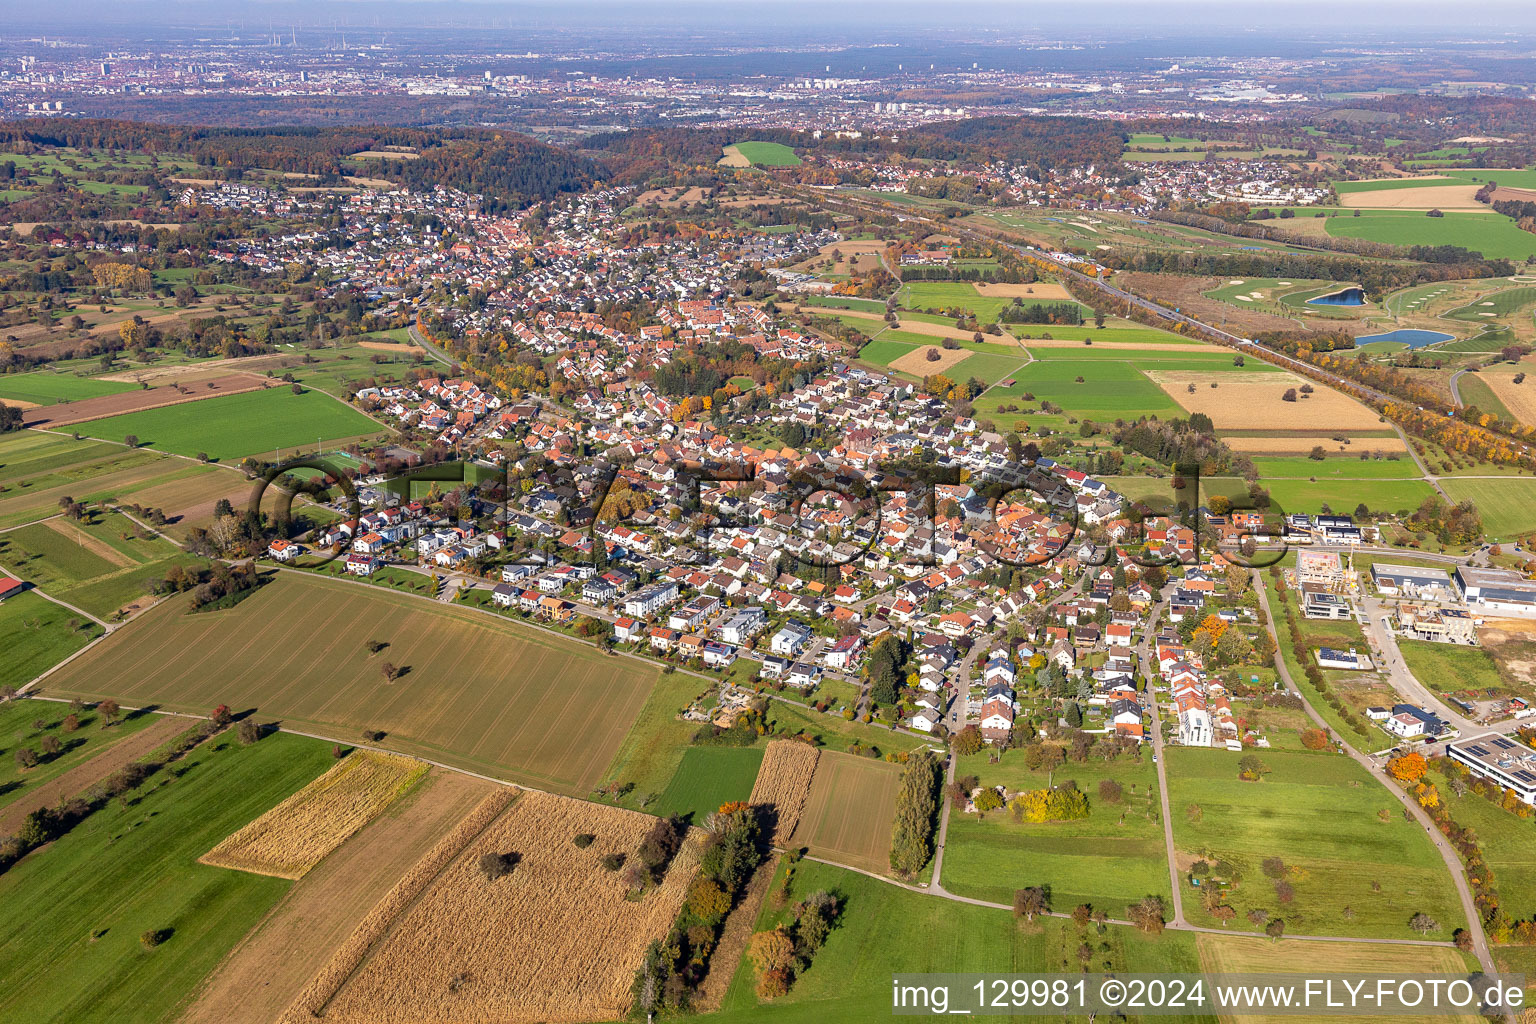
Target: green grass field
{"points": [[32, 485], [768, 154], [1343, 494], [1508, 507], [39, 634], [132, 868], [99, 564], [1451, 668], [1110, 859], [943, 295], [1334, 467], [1110, 388], [233, 426], [1475, 392], [1492, 234], [1319, 814], [707, 778], [1509, 848], [1509, 178], [883, 930], [44, 387], [477, 691], [18, 728], [1501, 303], [842, 302]]}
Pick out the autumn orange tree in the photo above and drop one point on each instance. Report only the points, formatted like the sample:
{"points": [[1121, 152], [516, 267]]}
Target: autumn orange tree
{"points": [[1408, 767], [773, 954]]}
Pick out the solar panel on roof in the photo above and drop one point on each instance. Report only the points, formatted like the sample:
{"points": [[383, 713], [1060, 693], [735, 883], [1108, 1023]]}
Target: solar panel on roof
{"points": [[1525, 776], [1503, 743], [1478, 751]]}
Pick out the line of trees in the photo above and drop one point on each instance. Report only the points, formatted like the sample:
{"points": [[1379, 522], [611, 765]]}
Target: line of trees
{"points": [[917, 800]]}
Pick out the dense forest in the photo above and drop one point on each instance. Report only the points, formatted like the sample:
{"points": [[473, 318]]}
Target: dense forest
{"points": [[1044, 142], [509, 169]]}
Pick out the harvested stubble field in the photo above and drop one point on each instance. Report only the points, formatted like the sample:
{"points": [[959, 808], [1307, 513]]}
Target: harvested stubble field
{"points": [[917, 363], [271, 965], [301, 831], [349, 956], [1429, 196], [1247, 401], [1237, 954], [137, 401], [1040, 291], [1519, 399], [1302, 444], [558, 939], [784, 780], [850, 811], [481, 693]]}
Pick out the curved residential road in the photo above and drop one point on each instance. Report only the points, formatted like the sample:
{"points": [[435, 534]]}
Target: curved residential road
{"points": [[1447, 852]]}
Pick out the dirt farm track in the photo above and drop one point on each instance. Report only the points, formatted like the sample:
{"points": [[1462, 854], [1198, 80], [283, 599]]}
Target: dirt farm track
{"points": [[474, 691]]}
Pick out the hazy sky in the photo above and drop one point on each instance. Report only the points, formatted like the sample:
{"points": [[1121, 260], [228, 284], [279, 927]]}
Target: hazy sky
{"points": [[1490, 18]]}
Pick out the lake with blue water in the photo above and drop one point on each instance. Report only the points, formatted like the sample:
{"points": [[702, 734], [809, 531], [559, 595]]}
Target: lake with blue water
{"points": [[1411, 337]]}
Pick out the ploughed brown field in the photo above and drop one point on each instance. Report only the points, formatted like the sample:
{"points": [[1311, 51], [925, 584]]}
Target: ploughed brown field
{"points": [[64, 414]]}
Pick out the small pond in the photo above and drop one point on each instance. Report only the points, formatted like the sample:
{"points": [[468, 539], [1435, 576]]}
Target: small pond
{"points": [[1407, 336], [1346, 297]]}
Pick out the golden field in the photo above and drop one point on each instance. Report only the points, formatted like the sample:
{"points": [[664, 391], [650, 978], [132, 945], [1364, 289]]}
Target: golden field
{"points": [[298, 833], [784, 780], [1254, 400], [558, 939]]}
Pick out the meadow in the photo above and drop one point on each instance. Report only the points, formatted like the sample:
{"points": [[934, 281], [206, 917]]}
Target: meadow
{"points": [[132, 868], [475, 691], [1451, 668], [38, 635], [1508, 507], [1109, 389], [1509, 848], [768, 154], [18, 728], [884, 930], [1509, 178], [1492, 234], [1344, 495], [45, 387], [233, 426], [1335, 467], [100, 563], [706, 778], [1354, 872], [961, 295], [1108, 860], [37, 469]]}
